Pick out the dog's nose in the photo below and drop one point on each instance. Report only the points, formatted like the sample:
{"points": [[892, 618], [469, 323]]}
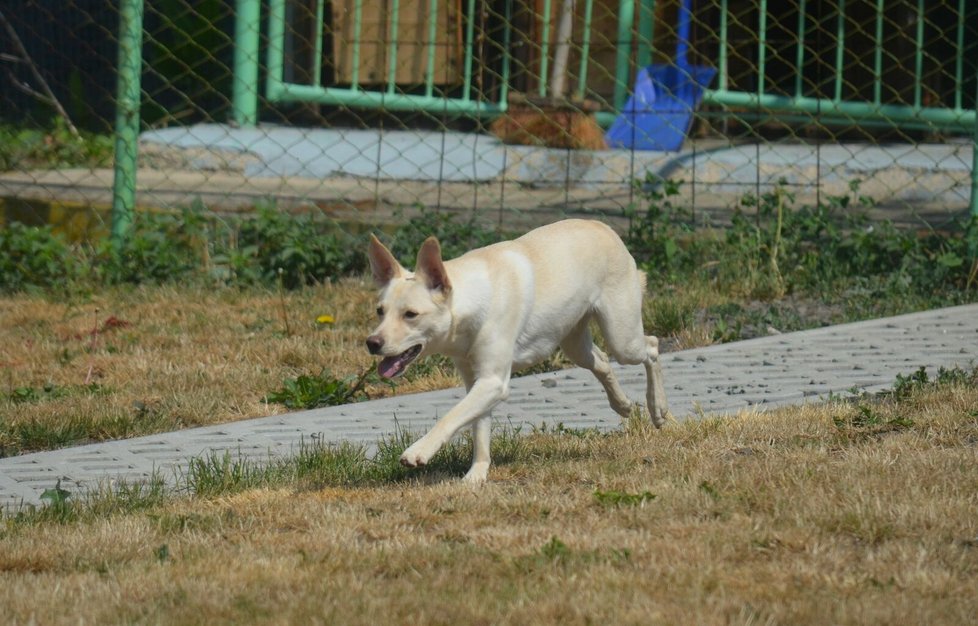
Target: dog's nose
{"points": [[374, 344]]}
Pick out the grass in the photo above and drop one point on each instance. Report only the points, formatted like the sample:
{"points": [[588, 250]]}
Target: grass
{"points": [[168, 357], [124, 361], [811, 514]]}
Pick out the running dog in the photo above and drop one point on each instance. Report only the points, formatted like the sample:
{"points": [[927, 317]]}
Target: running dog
{"points": [[508, 306]]}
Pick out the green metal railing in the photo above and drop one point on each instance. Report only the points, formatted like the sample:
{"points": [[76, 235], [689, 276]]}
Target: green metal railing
{"points": [[468, 102], [356, 95], [630, 52], [837, 110], [635, 47]]}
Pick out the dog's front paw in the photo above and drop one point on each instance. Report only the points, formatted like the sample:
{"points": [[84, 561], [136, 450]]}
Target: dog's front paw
{"points": [[658, 416], [418, 454]]}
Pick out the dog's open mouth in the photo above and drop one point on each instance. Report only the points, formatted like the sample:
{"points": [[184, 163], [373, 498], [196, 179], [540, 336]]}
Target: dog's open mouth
{"points": [[393, 366]]}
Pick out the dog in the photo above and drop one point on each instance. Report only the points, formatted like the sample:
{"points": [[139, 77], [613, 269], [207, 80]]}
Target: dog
{"points": [[507, 306]]}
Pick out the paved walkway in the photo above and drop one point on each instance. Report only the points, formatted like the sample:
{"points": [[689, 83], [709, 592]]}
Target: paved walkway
{"points": [[766, 372]]}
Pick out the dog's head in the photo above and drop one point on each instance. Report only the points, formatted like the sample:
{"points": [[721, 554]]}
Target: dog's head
{"points": [[414, 308]]}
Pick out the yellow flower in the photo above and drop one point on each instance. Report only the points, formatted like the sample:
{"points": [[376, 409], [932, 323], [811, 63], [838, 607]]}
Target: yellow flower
{"points": [[325, 319]]}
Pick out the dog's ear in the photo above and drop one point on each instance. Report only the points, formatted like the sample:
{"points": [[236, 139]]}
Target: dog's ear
{"points": [[431, 268], [383, 265]]}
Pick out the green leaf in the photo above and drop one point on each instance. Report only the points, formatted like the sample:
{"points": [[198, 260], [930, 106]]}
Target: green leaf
{"points": [[56, 496]]}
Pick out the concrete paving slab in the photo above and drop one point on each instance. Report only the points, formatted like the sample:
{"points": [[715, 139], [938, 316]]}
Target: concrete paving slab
{"points": [[453, 156], [761, 373]]}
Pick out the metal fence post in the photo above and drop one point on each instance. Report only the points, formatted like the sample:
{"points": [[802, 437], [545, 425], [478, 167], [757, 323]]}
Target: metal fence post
{"points": [[127, 117], [974, 167], [973, 205], [244, 97]]}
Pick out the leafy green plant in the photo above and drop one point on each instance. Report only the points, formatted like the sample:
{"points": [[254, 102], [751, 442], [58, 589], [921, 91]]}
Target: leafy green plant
{"points": [[661, 236], [555, 550], [456, 235], [160, 248], [773, 247], [870, 421], [52, 146], [323, 389], [35, 257], [615, 498], [50, 392], [906, 385], [297, 250]]}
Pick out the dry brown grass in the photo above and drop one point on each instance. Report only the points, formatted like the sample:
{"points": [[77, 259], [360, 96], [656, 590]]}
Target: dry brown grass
{"points": [[175, 357], [808, 515]]}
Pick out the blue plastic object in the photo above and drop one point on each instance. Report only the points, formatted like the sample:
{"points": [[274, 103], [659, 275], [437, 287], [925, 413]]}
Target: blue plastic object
{"points": [[658, 114]]}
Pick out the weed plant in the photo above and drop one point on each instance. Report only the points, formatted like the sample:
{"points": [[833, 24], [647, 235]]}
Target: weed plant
{"points": [[456, 235], [773, 249], [36, 258], [271, 248], [52, 147], [313, 391]]}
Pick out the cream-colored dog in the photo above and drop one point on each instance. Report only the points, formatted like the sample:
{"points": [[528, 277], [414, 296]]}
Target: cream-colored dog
{"points": [[508, 306]]}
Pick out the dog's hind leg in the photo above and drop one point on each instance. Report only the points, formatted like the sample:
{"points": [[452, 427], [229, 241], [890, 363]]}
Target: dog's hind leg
{"points": [[579, 347], [619, 316], [655, 391]]}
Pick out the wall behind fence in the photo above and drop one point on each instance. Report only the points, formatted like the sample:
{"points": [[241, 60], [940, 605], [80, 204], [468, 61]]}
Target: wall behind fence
{"points": [[362, 112]]}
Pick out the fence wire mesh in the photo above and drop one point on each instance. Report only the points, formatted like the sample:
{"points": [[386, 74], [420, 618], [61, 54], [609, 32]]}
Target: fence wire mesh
{"points": [[366, 110]]}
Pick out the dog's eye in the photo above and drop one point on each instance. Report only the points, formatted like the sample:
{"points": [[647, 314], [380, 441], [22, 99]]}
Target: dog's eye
{"points": [[410, 315], [380, 311]]}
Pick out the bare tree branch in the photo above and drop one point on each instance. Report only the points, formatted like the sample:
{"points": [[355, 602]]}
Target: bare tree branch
{"points": [[47, 95]]}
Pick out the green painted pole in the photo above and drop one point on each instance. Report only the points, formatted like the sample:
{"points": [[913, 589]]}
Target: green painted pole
{"points": [[275, 80], [127, 118], [392, 47], [507, 46], [429, 70], [317, 61], [626, 18], [974, 161], [761, 46], [544, 49], [469, 52], [646, 32], [974, 140], [959, 59], [357, 34], [369, 99], [919, 57], [244, 88], [949, 119], [585, 50], [840, 49], [878, 56], [724, 43], [800, 51], [974, 171]]}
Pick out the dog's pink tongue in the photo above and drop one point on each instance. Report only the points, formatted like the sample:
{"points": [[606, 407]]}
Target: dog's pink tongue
{"points": [[391, 366]]}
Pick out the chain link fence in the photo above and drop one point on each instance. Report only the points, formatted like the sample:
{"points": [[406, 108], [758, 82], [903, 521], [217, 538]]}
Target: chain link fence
{"points": [[367, 110]]}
